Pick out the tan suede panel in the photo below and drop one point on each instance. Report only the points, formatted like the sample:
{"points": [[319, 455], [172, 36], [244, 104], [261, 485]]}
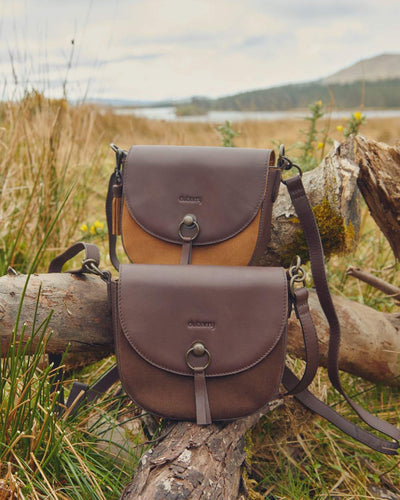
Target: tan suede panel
{"points": [[143, 248]]}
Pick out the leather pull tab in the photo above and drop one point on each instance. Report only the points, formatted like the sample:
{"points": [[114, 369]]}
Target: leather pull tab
{"points": [[116, 209], [186, 255], [203, 415]]}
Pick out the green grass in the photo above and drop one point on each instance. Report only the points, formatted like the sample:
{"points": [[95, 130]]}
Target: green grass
{"points": [[43, 454], [46, 456]]}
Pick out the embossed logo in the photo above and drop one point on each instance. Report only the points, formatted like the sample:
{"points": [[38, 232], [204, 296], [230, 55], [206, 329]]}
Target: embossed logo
{"points": [[210, 325], [186, 198]]}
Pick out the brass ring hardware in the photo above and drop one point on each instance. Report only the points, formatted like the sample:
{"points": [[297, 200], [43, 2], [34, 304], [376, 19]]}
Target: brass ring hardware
{"points": [[198, 349], [292, 165], [190, 222], [296, 273]]}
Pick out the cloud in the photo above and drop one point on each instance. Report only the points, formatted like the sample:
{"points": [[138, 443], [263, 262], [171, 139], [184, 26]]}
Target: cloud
{"points": [[153, 49], [313, 10]]}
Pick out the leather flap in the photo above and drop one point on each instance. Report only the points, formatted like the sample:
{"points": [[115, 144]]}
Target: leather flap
{"points": [[238, 313], [222, 187]]}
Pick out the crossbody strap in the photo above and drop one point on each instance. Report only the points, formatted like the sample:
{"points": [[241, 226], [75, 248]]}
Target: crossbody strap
{"points": [[90, 264], [311, 232], [112, 238], [310, 337], [92, 257], [356, 432]]}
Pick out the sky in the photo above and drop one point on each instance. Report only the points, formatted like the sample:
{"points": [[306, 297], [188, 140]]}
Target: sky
{"points": [[173, 49]]}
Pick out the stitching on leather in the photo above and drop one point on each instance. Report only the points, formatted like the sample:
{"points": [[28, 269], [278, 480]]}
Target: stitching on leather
{"points": [[281, 330], [177, 241]]}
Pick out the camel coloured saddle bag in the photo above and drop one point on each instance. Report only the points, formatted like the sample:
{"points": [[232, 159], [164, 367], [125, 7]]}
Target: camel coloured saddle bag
{"points": [[208, 342], [204, 205]]}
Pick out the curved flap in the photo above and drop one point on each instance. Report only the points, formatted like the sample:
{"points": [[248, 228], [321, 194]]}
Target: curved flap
{"points": [[222, 187], [238, 313]]}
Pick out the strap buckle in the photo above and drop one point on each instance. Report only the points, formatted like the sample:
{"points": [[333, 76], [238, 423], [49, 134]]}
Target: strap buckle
{"points": [[90, 266]]}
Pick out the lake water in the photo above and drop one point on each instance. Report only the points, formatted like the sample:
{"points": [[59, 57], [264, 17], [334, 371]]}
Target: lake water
{"points": [[168, 114]]}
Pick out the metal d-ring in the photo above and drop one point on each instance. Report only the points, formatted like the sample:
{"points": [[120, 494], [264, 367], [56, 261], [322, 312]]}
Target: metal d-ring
{"points": [[292, 165], [198, 349], [285, 163], [190, 221]]}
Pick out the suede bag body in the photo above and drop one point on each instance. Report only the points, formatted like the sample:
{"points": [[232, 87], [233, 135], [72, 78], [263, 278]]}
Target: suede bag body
{"points": [[229, 191]]}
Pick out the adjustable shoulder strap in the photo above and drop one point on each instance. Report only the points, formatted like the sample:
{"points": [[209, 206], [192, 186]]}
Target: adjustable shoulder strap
{"points": [[112, 237], [92, 257], [311, 232], [300, 304], [79, 391], [113, 210]]}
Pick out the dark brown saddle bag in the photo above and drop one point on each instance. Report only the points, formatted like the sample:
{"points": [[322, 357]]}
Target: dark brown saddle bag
{"points": [[199, 342]]}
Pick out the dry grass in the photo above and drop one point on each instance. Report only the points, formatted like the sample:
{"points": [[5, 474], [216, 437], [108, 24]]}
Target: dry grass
{"points": [[49, 147], [128, 130]]}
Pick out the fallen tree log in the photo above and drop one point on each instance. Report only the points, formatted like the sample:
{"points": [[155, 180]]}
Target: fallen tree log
{"points": [[194, 462], [80, 314], [333, 194], [378, 181], [81, 320]]}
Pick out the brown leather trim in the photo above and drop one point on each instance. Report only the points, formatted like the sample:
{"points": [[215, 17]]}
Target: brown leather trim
{"points": [[225, 308], [163, 183]]}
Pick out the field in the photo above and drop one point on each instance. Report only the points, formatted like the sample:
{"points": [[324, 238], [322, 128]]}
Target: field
{"points": [[53, 153]]}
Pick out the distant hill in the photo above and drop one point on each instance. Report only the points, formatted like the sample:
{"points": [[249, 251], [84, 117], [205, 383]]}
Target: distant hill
{"points": [[374, 82], [382, 67], [381, 94]]}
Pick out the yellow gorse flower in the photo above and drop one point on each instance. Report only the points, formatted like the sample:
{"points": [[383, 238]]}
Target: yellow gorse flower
{"points": [[320, 145], [358, 115], [93, 229], [98, 224], [340, 128], [84, 228]]}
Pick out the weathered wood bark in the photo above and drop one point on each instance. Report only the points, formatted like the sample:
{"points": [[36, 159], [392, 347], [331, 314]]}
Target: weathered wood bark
{"points": [[379, 184], [370, 346], [332, 191], [378, 283], [79, 304], [194, 462]]}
